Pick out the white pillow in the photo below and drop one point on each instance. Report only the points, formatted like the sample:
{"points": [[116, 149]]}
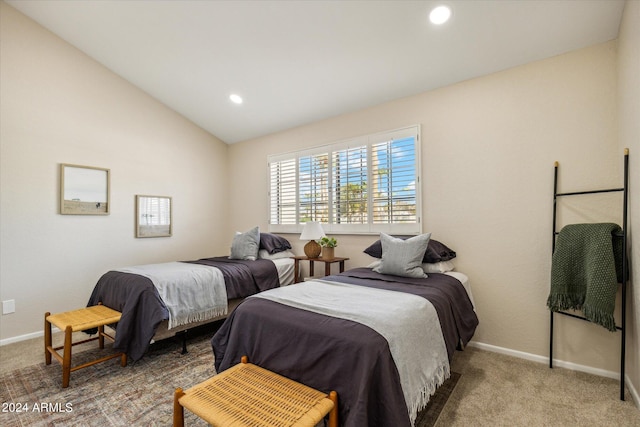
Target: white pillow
{"points": [[438, 267], [374, 264], [403, 257], [245, 245], [264, 254]]}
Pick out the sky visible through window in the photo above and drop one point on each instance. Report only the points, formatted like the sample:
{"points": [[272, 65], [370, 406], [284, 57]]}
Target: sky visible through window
{"points": [[366, 184], [392, 185]]}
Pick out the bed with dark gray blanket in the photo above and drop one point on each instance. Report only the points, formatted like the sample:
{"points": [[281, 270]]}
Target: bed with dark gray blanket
{"points": [[330, 352], [143, 309]]}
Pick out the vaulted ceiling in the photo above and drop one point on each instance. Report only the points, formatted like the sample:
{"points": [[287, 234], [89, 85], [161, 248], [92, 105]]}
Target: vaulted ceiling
{"points": [[297, 62]]}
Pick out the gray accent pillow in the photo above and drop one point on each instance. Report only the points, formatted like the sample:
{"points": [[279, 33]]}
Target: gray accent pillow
{"points": [[245, 245], [403, 257]]}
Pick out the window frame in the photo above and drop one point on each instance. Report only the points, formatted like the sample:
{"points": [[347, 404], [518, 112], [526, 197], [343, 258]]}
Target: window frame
{"points": [[330, 226]]}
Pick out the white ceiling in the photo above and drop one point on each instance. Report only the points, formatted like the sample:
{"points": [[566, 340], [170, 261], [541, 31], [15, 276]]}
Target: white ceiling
{"points": [[297, 62]]}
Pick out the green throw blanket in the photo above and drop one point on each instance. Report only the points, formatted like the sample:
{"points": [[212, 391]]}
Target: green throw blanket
{"points": [[585, 271]]}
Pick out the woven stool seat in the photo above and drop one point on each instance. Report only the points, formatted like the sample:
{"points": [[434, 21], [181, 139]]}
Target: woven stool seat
{"points": [[248, 395], [82, 319], [85, 318]]}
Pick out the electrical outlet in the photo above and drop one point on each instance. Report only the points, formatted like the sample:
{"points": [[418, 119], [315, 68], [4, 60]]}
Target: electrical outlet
{"points": [[9, 306]]}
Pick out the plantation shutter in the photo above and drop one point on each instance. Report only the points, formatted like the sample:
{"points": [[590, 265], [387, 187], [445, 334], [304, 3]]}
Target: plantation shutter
{"points": [[349, 185], [367, 184], [282, 194], [313, 185], [393, 181]]}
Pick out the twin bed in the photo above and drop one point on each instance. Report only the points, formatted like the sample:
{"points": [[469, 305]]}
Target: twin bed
{"points": [[160, 300], [382, 339], [383, 342]]}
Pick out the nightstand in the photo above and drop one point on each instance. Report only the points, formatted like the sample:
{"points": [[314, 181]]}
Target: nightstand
{"points": [[327, 265]]}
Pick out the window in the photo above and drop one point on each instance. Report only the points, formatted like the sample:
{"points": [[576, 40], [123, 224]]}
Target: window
{"points": [[313, 188], [363, 185]]}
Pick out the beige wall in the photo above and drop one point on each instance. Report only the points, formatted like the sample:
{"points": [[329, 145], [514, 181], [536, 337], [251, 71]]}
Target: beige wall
{"points": [[488, 149], [629, 132], [59, 106]]}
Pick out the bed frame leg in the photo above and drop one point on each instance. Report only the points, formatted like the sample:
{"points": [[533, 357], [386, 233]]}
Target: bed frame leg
{"points": [[183, 337]]}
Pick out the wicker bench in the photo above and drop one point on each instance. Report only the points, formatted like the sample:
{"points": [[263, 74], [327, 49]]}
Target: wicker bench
{"points": [[96, 316], [248, 395]]}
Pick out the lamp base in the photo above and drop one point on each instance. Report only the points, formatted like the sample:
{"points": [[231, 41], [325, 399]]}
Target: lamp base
{"points": [[312, 249]]}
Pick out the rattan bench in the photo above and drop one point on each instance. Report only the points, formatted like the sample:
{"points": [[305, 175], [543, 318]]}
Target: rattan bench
{"points": [[248, 395], [96, 316]]}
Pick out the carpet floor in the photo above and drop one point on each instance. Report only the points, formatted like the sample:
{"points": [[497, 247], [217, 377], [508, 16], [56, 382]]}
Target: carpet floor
{"points": [[140, 394], [500, 390], [493, 390]]}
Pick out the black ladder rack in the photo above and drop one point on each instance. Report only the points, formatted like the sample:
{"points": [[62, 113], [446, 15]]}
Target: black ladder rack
{"points": [[625, 260]]}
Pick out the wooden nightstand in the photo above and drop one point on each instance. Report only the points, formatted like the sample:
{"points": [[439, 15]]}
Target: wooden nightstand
{"points": [[327, 265]]}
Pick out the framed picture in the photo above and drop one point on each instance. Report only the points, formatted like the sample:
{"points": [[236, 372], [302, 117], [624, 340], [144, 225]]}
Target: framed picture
{"points": [[84, 190], [153, 216]]}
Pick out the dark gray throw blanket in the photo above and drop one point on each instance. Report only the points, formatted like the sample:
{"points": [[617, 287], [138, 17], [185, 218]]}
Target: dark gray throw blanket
{"points": [[137, 298], [244, 277], [585, 271]]}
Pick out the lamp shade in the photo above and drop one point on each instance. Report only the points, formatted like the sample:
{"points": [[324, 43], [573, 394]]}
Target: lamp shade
{"points": [[312, 231]]}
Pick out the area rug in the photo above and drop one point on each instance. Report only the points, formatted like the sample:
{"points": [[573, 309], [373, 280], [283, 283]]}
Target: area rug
{"points": [[140, 394]]}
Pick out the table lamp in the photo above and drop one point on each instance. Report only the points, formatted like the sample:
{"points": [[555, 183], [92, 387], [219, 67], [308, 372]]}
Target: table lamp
{"points": [[312, 231]]}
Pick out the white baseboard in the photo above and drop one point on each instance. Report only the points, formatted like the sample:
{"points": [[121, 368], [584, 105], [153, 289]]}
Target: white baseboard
{"points": [[632, 390], [561, 364], [25, 337]]}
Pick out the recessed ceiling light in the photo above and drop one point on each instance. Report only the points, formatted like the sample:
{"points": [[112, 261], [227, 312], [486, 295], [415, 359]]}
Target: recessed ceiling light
{"points": [[236, 99], [439, 15]]}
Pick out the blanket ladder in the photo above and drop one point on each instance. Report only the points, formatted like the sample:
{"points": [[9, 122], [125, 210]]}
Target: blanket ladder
{"points": [[625, 260]]}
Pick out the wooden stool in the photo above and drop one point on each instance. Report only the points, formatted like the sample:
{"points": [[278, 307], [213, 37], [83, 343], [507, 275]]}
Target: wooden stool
{"points": [[79, 320], [248, 395]]}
